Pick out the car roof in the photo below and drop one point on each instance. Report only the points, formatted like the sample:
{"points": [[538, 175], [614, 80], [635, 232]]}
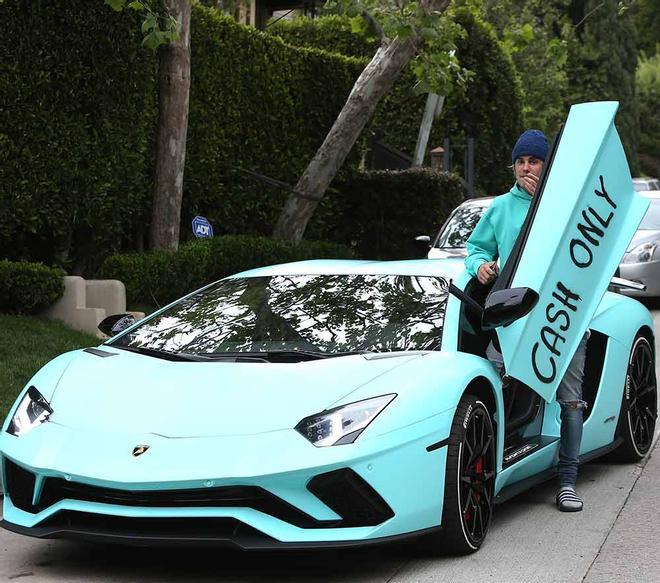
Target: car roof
{"points": [[481, 201], [652, 194], [448, 268]]}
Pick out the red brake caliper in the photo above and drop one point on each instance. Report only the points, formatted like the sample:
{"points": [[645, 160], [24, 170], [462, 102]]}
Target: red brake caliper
{"points": [[478, 469], [479, 473]]}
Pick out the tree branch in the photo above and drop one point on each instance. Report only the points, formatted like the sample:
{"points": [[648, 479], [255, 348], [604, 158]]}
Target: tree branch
{"points": [[588, 14], [375, 25]]}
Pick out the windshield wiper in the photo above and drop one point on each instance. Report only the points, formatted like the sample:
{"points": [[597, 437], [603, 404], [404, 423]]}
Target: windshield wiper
{"points": [[278, 355], [175, 356], [264, 356]]}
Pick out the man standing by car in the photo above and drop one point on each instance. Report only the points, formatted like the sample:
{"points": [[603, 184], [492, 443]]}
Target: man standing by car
{"points": [[493, 238]]}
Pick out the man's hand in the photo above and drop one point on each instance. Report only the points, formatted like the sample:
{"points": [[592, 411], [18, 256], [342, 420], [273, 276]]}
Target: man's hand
{"points": [[530, 183], [487, 272]]}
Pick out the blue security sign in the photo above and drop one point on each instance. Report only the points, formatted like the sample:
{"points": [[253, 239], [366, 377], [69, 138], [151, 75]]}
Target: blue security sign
{"points": [[202, 228]]}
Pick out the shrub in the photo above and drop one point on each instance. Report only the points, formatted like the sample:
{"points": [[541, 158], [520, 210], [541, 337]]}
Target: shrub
{"points": [[162, 276], [77, 120], [380, 213], [29, 287], [78, 115], [330, 33], [648, 89], [78, 110]]}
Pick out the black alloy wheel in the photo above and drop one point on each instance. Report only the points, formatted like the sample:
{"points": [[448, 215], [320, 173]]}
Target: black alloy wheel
{"points": [[477, 477], [469, 480], [639, 407]]}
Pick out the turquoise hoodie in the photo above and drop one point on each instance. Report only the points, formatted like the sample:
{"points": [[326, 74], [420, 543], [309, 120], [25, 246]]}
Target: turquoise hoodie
{"points": [[497, 230]]}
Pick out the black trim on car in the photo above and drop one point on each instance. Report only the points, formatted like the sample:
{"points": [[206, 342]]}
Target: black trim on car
{"points": [[519, 487], [438, 445], [226, 532], [351, 497], [20, 483], [344, 491], [101, 353]]}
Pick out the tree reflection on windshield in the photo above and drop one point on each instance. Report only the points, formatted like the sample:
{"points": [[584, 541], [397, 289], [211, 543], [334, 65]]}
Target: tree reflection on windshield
{"points": [[327, 313], [460, 227]]}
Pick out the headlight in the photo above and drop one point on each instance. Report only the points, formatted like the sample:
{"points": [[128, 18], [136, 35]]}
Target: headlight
{"points": [[641, 254], [343, 424], [33, 410]]}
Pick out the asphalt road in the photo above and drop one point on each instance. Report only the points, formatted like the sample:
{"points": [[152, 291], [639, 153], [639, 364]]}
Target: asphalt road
{"points": [[615, 538]]}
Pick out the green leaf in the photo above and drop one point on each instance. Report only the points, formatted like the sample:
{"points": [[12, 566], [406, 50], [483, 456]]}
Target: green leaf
{"points": [[429, 34], [135, 5], [527, 32], [152, 40], [117, 5], [150, 24]]}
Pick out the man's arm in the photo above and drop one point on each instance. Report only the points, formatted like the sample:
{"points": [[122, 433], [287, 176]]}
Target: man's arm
{"points": [[481, 246]]}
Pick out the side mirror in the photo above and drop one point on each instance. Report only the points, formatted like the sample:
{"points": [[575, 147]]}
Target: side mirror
{"points": [[423, 239], [113, 325], [505, 306]]}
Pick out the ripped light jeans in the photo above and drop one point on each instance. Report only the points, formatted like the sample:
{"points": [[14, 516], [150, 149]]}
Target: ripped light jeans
{"points": [[569, 397]]}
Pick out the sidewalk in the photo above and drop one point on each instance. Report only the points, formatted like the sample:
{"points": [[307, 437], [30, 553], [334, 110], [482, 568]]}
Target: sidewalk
{"points": [[631, 551]]}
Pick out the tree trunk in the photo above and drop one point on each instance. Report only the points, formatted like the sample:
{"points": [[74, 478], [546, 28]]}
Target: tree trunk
{"points": [[174, 94], [372, 84]]}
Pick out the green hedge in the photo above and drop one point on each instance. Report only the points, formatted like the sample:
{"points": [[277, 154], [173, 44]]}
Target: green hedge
{"points": [[162, 276], [258, 104], [488, 110], [28, 287], [648, 90], [330, 33], [77, 115], [380, 213]]}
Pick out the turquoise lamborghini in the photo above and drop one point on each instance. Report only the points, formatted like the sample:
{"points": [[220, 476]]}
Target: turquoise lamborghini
{"points": [[339, 403]]}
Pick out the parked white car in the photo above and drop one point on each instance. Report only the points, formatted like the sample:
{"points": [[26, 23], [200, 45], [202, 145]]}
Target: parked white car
{"points": [[640, 263]]}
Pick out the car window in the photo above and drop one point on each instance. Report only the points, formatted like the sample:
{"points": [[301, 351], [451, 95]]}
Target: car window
{"points": [[651, 219], [646, 184], [324, 313], [457, 231]]}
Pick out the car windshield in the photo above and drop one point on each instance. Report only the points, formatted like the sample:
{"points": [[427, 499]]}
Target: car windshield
{"points": [[649, 184], [460, 226], [324, 314], [651, 219]]}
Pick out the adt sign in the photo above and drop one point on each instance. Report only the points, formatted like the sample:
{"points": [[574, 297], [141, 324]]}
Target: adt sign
{"points": [[202, 228]]}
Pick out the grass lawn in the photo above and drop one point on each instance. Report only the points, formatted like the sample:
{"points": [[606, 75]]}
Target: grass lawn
{"points": [[26, 344]]}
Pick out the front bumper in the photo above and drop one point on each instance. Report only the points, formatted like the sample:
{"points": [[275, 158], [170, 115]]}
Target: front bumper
{"points": [[176, 532], [337, 496]]}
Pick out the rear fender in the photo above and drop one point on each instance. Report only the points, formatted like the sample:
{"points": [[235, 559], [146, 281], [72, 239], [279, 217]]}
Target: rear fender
{"points": [[621, 317]]}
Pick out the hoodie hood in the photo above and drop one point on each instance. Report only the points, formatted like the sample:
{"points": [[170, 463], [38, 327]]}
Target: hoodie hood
{"points": [[521, 194]]}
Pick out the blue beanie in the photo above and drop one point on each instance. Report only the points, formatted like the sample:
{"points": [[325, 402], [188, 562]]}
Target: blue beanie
{"points": [[531, 143]]}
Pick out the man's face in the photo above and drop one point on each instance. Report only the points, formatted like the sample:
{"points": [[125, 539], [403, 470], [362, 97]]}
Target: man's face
{"points": [[527, 170]]}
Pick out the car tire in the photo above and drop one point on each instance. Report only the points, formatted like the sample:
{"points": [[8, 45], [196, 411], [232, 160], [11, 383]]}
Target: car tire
{"points": [[469, 481], [639, 404]]}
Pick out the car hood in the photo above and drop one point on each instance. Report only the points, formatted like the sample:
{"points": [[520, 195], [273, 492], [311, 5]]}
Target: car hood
{"points": [[643, 236], [133, 393]]}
